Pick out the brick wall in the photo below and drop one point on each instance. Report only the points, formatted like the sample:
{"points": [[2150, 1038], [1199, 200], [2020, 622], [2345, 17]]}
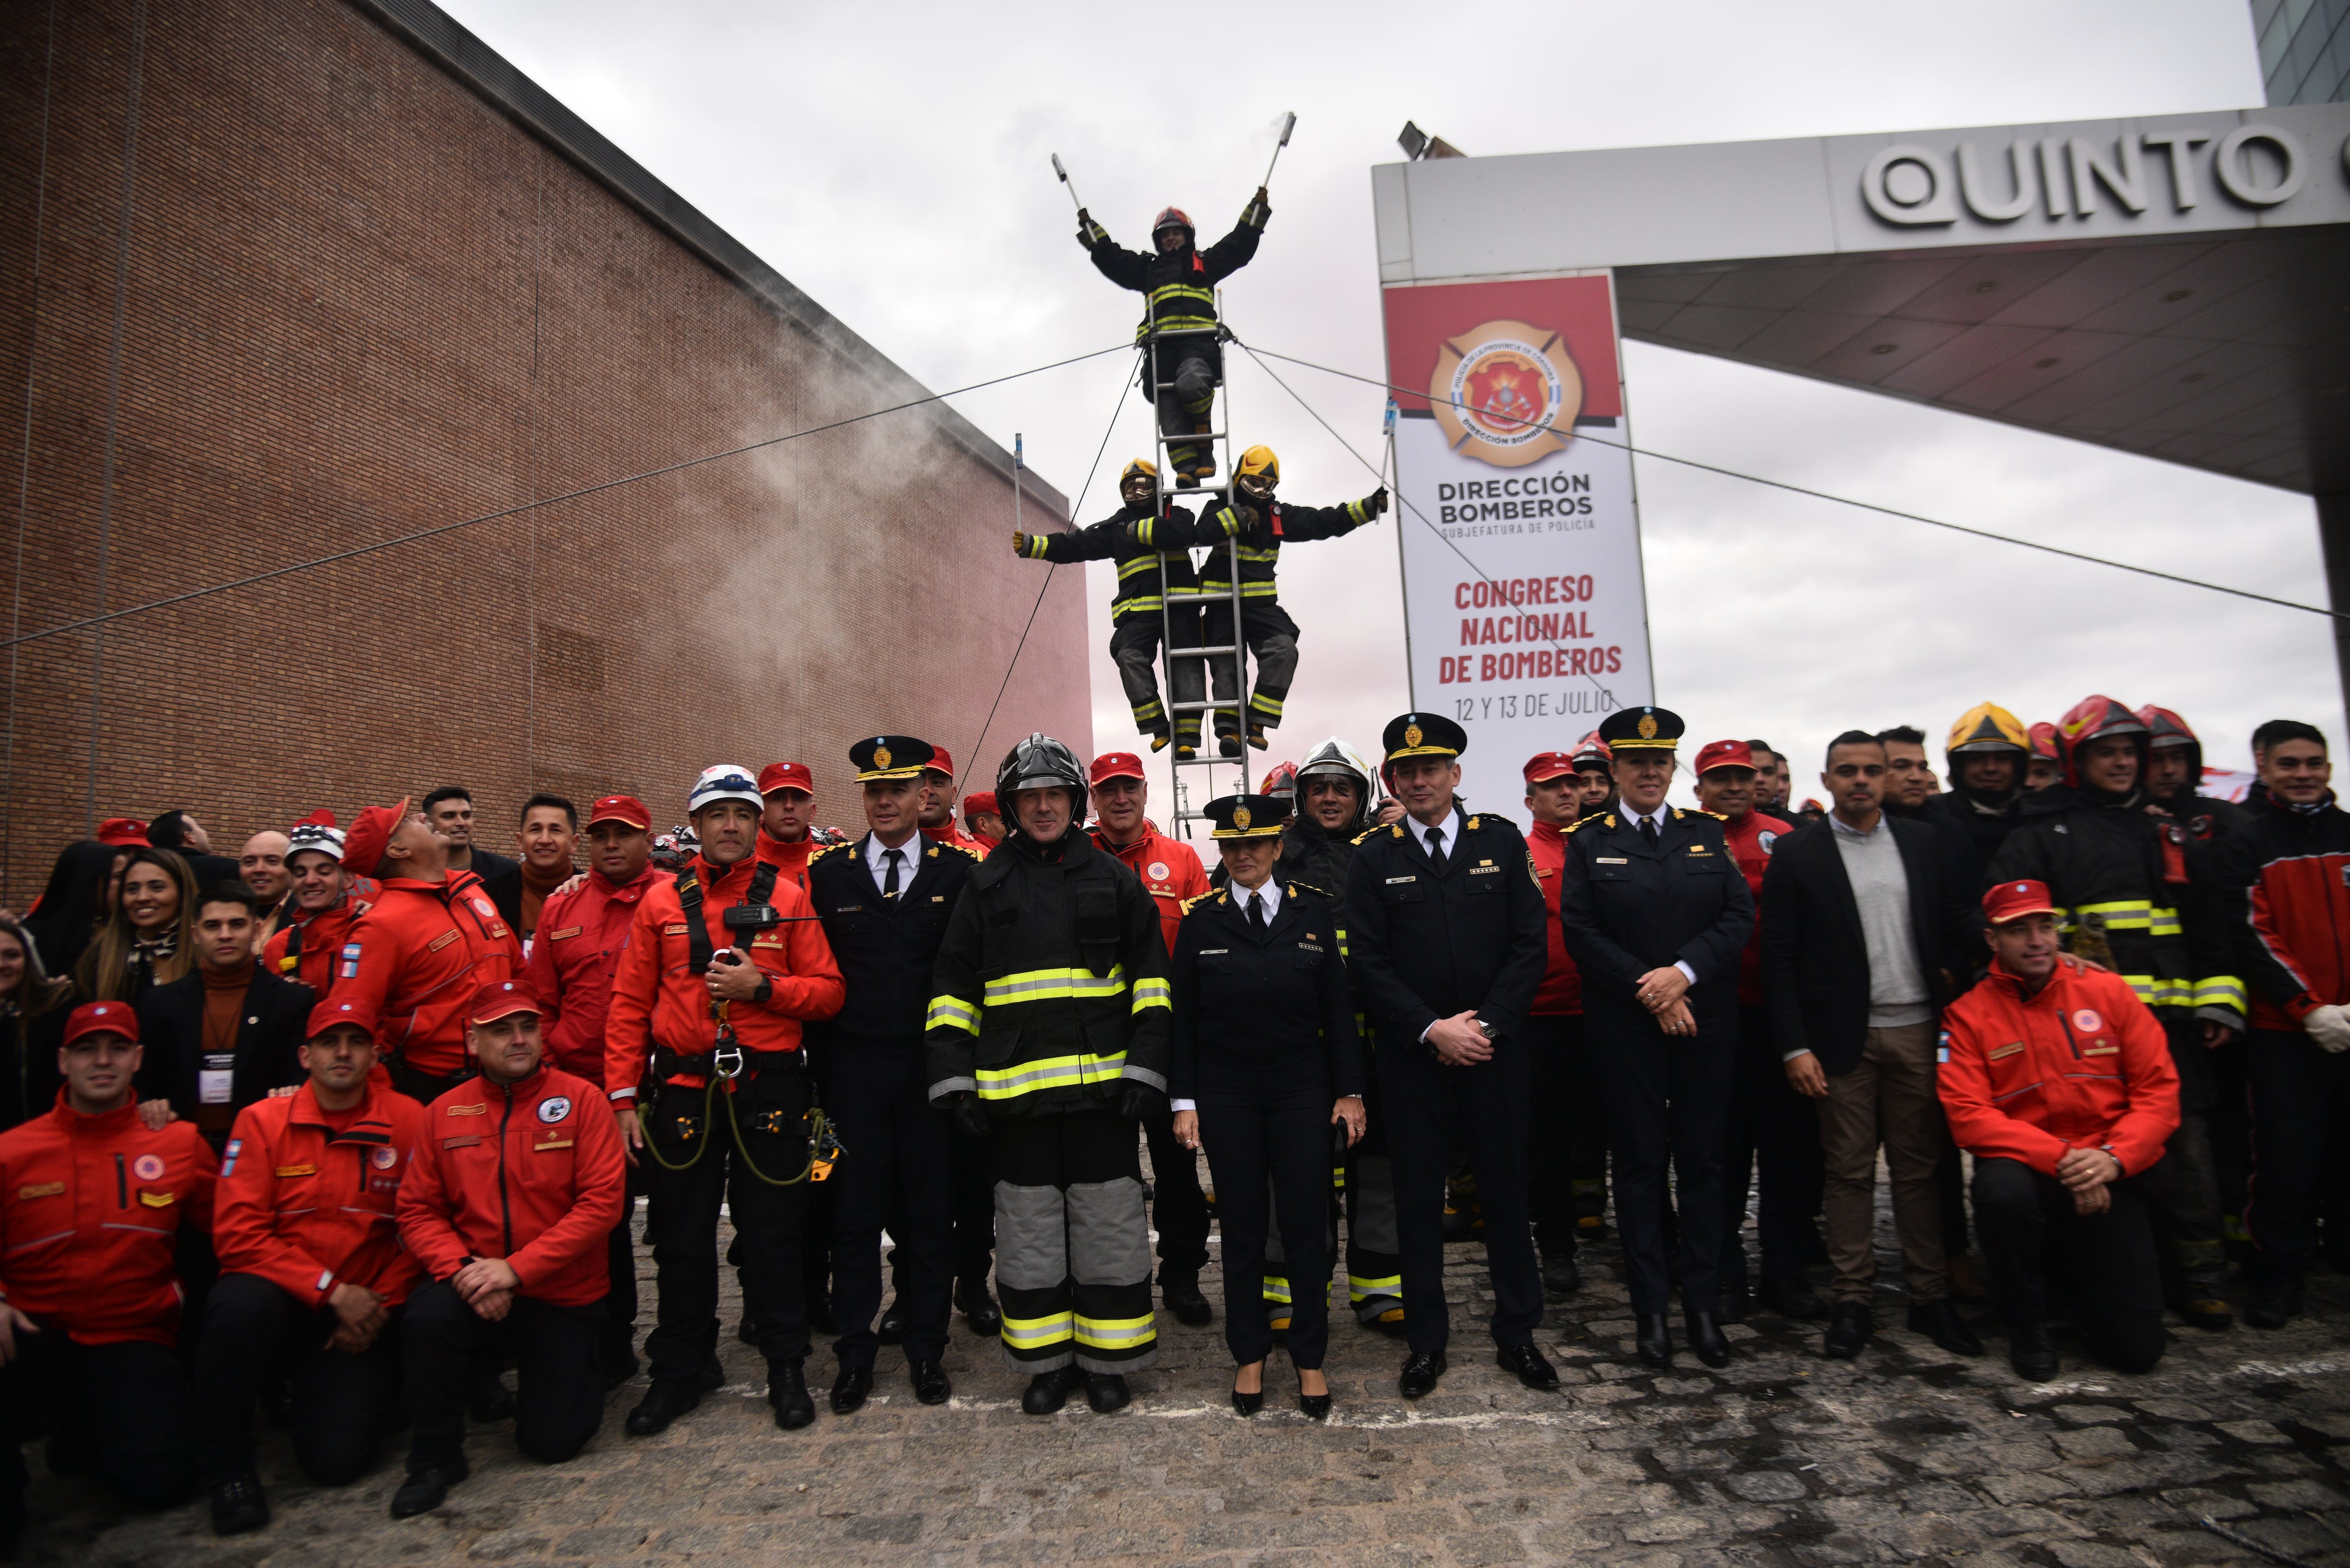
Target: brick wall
{"points": [[357, 301]]}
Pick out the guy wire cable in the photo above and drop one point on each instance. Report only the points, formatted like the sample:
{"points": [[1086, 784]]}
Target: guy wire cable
{"points": [[1572, 434], [1076, 507], [439, 528]]}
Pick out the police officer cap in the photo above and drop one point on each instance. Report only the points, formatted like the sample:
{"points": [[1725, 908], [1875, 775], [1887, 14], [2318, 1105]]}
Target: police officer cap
{"points": [[889, 757], [1641, 729], [1248, 816], [1424, 735]]}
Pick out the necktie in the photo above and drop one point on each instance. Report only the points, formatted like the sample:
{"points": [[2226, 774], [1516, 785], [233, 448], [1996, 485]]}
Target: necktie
{"points": [[1648, 830], [1256, 910], [889, 882], [1436, 846]]}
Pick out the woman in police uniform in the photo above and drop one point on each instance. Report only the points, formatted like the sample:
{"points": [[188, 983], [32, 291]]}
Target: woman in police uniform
{"points": [[1266, 1059]]}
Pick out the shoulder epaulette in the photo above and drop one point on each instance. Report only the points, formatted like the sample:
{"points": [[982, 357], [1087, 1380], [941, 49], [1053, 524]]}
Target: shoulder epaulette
{"points": [[1365, 834], [817, 855], [962, 848], [1310, 887], [1470, 826], [1594, 816], [1199, 898], [1715, 815]]}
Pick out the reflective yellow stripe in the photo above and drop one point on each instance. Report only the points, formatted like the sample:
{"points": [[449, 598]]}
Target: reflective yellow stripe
{"points": [[1361, 1287], [1249, 553], [2125, 914], [1276, 1289], [1046, 984], [1153, 993], [1145, 602], [1265, 704], [1176, 324], [1137, 566], [1183, 291], [949, 1009], [1048, 1073], [1035, 546], [1355, 510], [1037, 1333], [1147, 710], [1257, 590], [2220, 990], [1115, 1332], [2164, 923]]}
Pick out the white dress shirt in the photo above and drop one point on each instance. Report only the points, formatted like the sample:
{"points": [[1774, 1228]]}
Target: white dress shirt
{"points": [[910, 864], [1271, 894]]}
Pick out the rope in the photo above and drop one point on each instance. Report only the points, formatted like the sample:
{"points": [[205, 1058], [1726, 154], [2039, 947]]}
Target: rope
{"points": [[818, 1121]]}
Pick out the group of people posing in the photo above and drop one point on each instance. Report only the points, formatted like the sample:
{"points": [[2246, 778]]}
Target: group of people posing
{"points": [[346, 1133]]}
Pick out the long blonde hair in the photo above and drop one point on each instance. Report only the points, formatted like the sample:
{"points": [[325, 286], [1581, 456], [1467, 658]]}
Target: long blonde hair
{"points": [[105, 972]]}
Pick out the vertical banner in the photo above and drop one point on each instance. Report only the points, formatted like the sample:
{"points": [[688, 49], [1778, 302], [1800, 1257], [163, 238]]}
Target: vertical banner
{"points": [[1524, 603]]}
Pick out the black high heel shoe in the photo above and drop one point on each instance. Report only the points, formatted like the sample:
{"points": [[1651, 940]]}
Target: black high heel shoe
{"points": [[1315, 1406], [1248, 1404]]}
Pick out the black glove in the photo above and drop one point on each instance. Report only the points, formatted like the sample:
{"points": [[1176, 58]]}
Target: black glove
{"points": [[1375, 503], [1089, 234], [968, 1113], [1138, 1101]]}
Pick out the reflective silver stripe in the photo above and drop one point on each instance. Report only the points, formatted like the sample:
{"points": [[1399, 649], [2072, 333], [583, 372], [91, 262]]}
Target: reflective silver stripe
{"points": [[1144, 1076]]}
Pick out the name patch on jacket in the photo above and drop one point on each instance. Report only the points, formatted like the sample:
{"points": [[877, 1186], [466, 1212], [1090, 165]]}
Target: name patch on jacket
{"points": [[1611, 860], [1485, 868], [557, 1143], [442, 940], [566, 934], [2100, 1049], [41, 1190], [2001, 1053], [468, 1141], [286, 1170], [1393, 880], [469, 1110], [676, 931]]}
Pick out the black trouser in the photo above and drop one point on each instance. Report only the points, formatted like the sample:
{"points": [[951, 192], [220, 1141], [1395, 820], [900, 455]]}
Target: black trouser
{"points": [[1073, 1249], [123, 1409], [2182, 1190], [2299, 1093], [1191, 363], [1556, 1051], [896, 1170], [975, 1204], [1270, 1155], [1374, 1250], [558, 1373], [1134, 648], [1179, 1209], [769, 1109], [1668, 1103], [620, 1302], [426, 1087], [1430, 1109], [1270, 636], [1774, 1136], [343, 1403], [2231, 1126], [2108, 1278]]}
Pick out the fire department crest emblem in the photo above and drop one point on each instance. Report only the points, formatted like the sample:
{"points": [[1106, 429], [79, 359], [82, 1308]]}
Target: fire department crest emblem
{"points": [[1410, 738], [1507, 393], [384, 1158], [1647, 726], [1240, 816], [147, 1167], [880, 756]]}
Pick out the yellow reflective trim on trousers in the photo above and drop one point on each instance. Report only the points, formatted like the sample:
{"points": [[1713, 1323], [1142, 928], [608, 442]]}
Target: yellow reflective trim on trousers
{"points": [[1048, 1073], [1048, 984], [1276, 1289], [1265, 704], [1153, 993], [1150, 710], [951, 1009], [1360, 1286], [1031, 1332], [1115, 1332]]}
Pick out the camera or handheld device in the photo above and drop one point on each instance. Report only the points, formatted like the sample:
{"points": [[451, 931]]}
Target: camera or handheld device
{"points": [[753, 917]]}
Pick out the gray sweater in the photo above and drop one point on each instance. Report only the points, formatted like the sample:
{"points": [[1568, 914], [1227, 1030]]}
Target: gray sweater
{"points": [[1897, 993]]}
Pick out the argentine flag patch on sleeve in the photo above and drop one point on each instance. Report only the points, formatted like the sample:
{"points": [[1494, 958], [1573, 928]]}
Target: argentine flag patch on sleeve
{"points": [[350, 965]]}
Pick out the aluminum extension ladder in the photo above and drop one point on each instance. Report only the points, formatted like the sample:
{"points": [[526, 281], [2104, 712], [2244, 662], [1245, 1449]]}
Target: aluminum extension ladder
{"points": [[1210, 497]]}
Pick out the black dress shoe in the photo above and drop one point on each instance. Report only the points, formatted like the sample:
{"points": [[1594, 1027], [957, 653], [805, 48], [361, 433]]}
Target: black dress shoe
{"points": [[1705, 1338], [850, 1389], [1420, 1371], [1654, 1341], [1731, 1302], [1183, 1299], [1107, 1392], [930, 1380], [1524, 1362], [978, 1308], [1849, 1327], [663, 1402], [1048, 1391], [1560, 1276], [239, 1505], [425, 1491], [892, 1329], [2029, 1352], [1938, 1321], [787, 1392], [1791, 1295]]}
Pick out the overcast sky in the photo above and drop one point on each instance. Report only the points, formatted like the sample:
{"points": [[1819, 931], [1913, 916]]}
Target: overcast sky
{"points": [[895, 165]]}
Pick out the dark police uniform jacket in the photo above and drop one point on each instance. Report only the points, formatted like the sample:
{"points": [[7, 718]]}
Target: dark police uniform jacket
{"points": [[886, 949], [1263, 1013], [1426, 945], [1627, 908]]}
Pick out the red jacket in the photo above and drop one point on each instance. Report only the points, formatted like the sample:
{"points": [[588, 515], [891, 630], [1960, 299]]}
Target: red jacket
{"points": [[2285, 878], [2083, 1064], [309, 1208], [657, 1000], [90, 1210], [1561, 994], [1750, 840], [791, 859], [530, 1172], [573, 960], [415, 958], [1169, 869], [323, 936]]}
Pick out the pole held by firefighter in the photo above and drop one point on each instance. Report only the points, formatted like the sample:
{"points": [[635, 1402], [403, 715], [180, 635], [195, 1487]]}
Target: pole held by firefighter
{"points": [[1064, 175], [1288, 124]]}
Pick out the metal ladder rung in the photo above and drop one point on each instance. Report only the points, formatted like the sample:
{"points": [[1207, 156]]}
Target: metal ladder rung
{"points": [[1200, 653]]}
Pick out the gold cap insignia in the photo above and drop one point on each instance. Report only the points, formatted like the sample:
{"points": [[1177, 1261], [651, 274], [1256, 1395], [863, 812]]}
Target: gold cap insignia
{"points": [[1240, 816], [880, 756], [1647, 727], [1411, 734]]}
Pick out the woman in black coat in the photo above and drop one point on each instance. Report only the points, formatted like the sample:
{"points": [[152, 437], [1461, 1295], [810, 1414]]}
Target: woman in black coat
{"points": [[1267, 1061]]}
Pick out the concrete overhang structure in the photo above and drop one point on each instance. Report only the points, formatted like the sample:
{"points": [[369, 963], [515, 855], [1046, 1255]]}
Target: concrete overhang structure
{"points": [[2177, 286]]}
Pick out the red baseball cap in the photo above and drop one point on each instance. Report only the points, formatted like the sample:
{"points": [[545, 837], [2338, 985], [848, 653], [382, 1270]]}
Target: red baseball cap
{"points": [[983, 801], [940, 762], [103, 1018], [123, 833], [370, 836], [1546, 766], [333, 1011], [786, 775], [1115, 765], [1724, 755], [2012, 900], [624, 808], [502, 998]]}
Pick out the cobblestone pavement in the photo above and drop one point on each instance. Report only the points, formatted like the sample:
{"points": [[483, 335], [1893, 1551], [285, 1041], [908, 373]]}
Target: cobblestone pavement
{"points": [[1783, 1459]]}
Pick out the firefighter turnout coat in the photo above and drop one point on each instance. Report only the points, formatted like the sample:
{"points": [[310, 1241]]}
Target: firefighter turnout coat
{"points": [[1132, 536], [1260, 528]]}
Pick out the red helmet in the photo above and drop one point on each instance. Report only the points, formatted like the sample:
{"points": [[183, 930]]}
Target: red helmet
{"points": [[1281, 781], [2094, 718], [2165, 728], [2043, 741], [1171, 218]]}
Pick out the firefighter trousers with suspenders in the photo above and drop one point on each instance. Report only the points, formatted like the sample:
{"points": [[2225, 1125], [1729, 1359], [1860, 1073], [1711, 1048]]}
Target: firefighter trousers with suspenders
{"points": [[737, 1133]]}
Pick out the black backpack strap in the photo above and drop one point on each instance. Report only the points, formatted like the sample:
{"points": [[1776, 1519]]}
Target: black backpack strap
{"points": [[763, 884], [698, 950]]}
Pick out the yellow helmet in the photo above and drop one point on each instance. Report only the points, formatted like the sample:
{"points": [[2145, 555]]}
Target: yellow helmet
{"points": [[1987, 727], [1260, 459], [1140, 465]]}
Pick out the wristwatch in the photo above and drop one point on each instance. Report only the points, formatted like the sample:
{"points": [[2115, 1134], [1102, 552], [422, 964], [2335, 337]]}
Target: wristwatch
{"points": [[1486, 1030]]}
